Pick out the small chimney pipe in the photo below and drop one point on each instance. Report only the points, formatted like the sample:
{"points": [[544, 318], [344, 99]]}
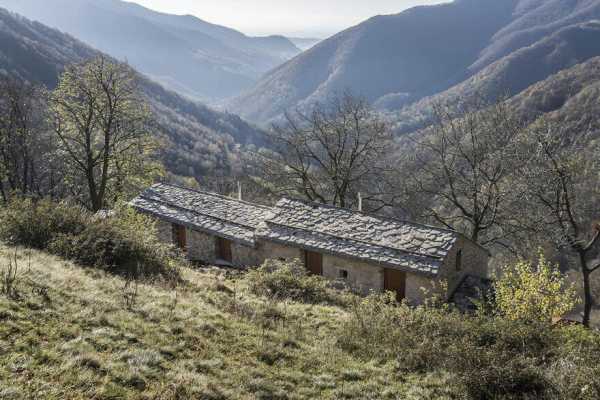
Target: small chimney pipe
{"points": [[239, 187], [360, 207]]}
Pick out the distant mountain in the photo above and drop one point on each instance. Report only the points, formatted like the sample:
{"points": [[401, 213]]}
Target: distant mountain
{"points": [[396, 61], [196, 138], [417, 53], [186, 54], [304, 43], [510, 74]]}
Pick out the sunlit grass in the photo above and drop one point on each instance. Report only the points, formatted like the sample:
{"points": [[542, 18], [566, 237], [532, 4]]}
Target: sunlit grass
{"points": [[70, 335]]}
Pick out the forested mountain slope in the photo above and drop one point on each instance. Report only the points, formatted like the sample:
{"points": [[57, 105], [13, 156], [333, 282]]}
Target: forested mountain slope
{"points": [[184, 53], [197, 139], [511, 74], [571, 96], [416, 53], [397, 60]]}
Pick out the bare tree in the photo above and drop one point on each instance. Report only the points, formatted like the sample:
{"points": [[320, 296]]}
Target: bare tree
{"points": [[102, 124], [460, 170], [24, 139], [561, 189], [329, 154]]}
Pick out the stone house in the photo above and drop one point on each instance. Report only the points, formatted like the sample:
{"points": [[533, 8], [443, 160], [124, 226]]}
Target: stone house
{"points": [[210, 228], [369, 252]]}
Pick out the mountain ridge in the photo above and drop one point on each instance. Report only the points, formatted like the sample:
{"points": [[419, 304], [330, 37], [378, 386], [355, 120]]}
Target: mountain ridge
{"points": [[400, 60], [196, 138], [200, 60], [386, 54], [511, 74]]}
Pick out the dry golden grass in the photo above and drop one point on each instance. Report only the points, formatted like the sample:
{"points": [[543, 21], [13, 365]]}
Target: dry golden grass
{"points": [[73, 333]]}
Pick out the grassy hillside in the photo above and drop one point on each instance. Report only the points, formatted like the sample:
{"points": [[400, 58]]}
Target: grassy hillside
{"points": [[70, 335], [74, 333]]}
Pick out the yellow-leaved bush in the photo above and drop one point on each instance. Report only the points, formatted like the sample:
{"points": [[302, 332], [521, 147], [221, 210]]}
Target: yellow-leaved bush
{"points": [[534, 292]]}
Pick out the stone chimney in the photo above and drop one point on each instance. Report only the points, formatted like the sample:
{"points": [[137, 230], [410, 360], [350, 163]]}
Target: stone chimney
{"points": [[360, 208]]}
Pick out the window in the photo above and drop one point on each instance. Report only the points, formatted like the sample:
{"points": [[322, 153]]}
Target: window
{"points": [[459, 256], [343, 274]]}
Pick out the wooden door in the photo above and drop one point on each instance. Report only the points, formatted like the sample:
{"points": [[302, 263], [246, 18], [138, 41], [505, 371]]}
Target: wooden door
{"points": [[395, 281], [179, 236], [313, 262], [224, 252]]}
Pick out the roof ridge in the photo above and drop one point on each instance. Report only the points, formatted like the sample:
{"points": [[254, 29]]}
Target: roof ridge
{"points": [[198, 213], [414, 253], [213, 194], [419, 224], [368, 214]]}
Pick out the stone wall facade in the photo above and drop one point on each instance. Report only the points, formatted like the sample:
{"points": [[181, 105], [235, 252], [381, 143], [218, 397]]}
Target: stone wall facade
{"points": [[363, 276], [475, 261], [275, 251], [202, 247], [246, 256], [164, 231]]}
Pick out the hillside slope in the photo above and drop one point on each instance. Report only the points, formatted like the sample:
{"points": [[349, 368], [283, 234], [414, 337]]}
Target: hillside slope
{"points": [[184, 53], [72, 336], [532, 21], [197, 138], [73, 333]]}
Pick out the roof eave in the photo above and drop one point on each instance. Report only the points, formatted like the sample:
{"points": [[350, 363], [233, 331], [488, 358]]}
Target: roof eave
{"points": [[195, 227], [432, 274]]}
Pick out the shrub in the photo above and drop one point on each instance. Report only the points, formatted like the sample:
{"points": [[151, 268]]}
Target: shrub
{"points": [[36, 224], [490, 357], [282, 280], [125, 243], [531, 293]]}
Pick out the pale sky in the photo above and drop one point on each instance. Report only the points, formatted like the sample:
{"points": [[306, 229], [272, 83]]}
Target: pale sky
{"points": [[305, 18]]}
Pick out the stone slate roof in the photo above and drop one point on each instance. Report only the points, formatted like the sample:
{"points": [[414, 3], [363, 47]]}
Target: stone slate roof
{"points": [[389, 242], [203, 211]]}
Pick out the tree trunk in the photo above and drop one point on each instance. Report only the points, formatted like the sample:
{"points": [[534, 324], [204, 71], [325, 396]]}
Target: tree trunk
{"points": [[588, 299]]}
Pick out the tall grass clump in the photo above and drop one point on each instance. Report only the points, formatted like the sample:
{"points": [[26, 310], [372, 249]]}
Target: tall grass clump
{"points": [[124, 243], [490, 357], [281, 280]]}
